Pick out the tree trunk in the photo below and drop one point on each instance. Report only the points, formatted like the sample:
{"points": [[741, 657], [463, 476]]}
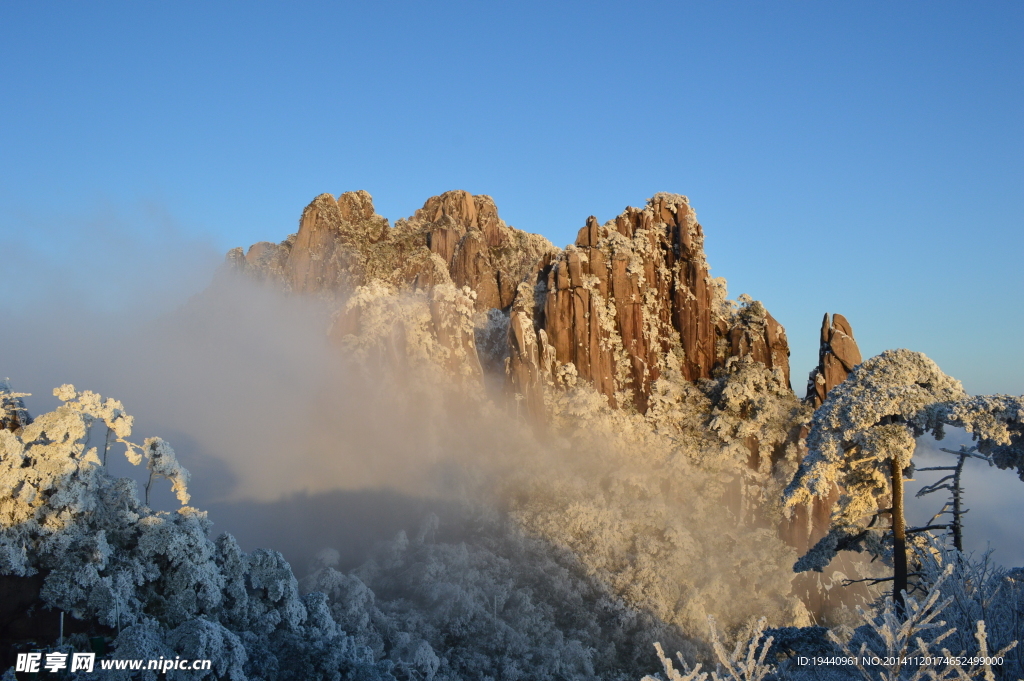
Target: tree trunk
{"points": [[957, 524], [899, 538]]}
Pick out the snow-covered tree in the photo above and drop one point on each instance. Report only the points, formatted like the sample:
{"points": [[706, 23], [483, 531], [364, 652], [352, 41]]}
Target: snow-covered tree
{"points": [[162, 463], [496, 603], [862, 439], [153, 577]]}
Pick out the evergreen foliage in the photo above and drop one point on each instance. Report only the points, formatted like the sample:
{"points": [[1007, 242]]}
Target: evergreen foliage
{"points": [[591, 564], [862, 439], [506, 606]]}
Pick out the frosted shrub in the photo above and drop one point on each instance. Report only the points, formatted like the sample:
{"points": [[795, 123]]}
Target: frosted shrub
{"points": [[968, 609], [201, 639], [918, 633], [671, 673], [497, 605], [746, 661], [978, 591], [154, 577]]}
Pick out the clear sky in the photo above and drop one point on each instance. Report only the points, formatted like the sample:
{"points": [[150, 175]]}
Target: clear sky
{"points": [[855, 157]]}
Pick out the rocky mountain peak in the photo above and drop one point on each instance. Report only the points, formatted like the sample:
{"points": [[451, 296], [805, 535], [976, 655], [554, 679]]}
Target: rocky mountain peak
{"points": [[630, 302], [454, 238], [466, 211], [356, 206], [633, 300], [481, 251]]}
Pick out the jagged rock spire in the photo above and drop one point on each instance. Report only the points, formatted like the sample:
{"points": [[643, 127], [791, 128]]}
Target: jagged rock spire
{"points": [[631, 300], [837, 355]]}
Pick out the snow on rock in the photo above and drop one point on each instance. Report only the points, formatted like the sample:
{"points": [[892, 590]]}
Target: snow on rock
{"points": [[618, 305], [624, 299]]}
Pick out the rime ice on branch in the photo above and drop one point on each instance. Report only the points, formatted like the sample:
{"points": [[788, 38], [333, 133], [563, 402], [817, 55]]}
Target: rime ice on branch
{"points": [[48, 479], [862, 439]]}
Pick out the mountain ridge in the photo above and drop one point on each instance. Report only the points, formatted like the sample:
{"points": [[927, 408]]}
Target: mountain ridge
{"points": [[630, 301]]}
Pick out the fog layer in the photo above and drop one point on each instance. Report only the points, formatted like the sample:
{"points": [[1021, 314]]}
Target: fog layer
{"points": [[292, 445]]}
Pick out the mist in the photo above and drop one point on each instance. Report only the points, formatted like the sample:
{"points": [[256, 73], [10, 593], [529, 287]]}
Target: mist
{"points": [[993, 496], [291, 445], [281, 436], [297, 445], [237, 377]]}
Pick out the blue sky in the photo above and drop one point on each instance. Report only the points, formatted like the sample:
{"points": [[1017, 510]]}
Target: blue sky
{"points": [[863, 158]]}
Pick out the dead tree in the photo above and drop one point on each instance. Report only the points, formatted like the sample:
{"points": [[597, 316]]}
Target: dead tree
{"points": [[955, 506]]}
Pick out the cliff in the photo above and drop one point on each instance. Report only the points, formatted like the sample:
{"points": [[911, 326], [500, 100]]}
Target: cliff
{"points": [[455, 238], [628, 302]]}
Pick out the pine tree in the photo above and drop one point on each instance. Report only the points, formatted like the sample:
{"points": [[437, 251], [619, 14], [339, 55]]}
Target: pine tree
{"points": [[862, 439]]}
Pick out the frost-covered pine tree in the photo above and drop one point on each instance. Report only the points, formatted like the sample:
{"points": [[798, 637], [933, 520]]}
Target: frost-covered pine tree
{"points": [[862, 439], [153, 577]]}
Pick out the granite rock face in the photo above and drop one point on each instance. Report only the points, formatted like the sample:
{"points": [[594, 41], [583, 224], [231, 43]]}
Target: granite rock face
{"points": [[328, 252], [480, 250], [455, 249], [454, 238], [629, 301], [837, 355]]}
